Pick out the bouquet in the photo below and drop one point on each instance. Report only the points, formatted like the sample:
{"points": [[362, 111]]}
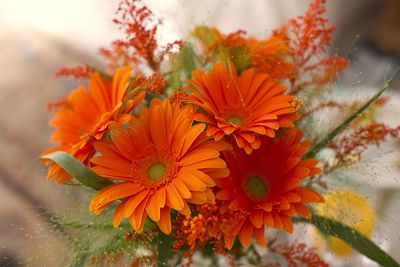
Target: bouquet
{"points": [[210, 147]]}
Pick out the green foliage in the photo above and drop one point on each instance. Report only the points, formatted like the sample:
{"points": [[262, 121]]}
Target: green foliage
{"points": [[206, 35], [164, 249], [239, 55], [79, 171], [182, 65], [188, 59], [352, 237], [94, 240]]}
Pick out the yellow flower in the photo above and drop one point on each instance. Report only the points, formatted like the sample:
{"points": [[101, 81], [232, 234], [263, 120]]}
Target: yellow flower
{"points": [[349, 208]]}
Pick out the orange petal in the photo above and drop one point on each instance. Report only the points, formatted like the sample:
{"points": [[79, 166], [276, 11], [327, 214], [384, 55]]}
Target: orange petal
{"points": [[186, 210], [118, 214], [268, 220], [292, 197], [206, 179], [174, 199], [160, 196], [277, 220], [165, 221], [246, 233], [267, 206], [199, 155], [308, 195], [240, 202], [153, 208], [192, 182], [191, 135], [256, 217], [198, 198], [302, 210], [259, 236], [226, 195], [287, 223], [182, 188], [134, 202], [139, 216]]}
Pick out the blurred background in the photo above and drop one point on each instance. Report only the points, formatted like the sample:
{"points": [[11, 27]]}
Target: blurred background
{"points": [[38, 37]]}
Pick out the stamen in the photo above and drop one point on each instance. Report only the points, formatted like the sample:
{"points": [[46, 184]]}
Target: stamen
{"points": [[256, 187], [235, 120], [156, 171]]}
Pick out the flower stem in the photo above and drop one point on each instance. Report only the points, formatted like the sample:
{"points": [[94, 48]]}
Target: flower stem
{"points": [[317, 147], [164, 249]]}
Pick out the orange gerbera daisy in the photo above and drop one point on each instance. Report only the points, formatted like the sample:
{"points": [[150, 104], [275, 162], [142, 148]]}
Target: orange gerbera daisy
{"points": [[244, 107], [162, 162], [85, 115], [266, 184]]}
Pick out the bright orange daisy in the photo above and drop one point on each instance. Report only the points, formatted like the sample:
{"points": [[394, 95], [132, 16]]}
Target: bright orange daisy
{"points": [[267, 185], [161, 162], [85, 114], [244, 107]]}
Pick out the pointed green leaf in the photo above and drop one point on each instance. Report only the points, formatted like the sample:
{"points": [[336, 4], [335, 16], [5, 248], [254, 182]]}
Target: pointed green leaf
{"points": [[320, 145], [79, 171], [352, 237]]}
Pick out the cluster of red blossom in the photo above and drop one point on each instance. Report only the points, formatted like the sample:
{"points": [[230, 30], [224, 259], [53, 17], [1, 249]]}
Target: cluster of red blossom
{"points": [[222, 152]]}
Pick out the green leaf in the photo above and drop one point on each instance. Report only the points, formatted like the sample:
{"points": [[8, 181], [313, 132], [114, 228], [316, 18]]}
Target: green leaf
{"points": [[352, 237], [79, 260], [206, 35], [320, 145], [188, 59], [79, 171], [240, 56], [181, 67]]}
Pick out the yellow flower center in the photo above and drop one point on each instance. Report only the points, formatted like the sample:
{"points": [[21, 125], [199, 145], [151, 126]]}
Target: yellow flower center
{"points": [[256, 187], [235, 120], [156, 171]]}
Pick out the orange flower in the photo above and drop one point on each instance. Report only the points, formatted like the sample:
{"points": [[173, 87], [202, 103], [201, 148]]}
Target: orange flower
{"points": [[244, 107], [267, 55], [271, 55], [162, 162], [266, 184], [85, 115]]}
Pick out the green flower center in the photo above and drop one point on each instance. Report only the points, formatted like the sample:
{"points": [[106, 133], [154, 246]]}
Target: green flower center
{"points": [[256, 187], [235, 120], [156, 171]]}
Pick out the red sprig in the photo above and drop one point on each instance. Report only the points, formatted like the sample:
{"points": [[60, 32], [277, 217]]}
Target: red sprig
{"points": [[309, 38], [155, 83], [140, 28], [297, 253], [78, 72], [351, 146], [209, 225]]}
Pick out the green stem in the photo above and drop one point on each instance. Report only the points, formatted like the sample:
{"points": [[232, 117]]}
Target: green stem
{"points": [[163, 249], [317, 147]]}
